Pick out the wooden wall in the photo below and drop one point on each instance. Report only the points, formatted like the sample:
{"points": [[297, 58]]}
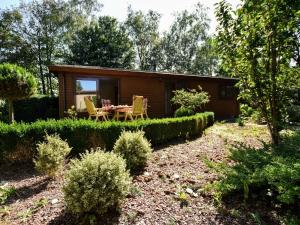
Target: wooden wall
{"points": [[154, 90]]}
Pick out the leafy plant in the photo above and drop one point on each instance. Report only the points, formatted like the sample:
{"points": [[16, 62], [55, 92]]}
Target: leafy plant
{"points": [[51, 155], [191, 100], [5, 192], [274, 171], [72, 113], [180, 112], [96, 182], [134, 148], [15, 83]]}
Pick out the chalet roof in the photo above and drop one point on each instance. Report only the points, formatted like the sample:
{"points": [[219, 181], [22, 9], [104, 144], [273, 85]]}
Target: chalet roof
{"points": [[102, 71]]}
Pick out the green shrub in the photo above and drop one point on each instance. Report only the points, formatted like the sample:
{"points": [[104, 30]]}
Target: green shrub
{"points": [[192, 99], [51, 155], [134, 148], [5, 192], [18, 141], [183, 112], [32, 109], [293, 112], [96, 183], [274, 171]]}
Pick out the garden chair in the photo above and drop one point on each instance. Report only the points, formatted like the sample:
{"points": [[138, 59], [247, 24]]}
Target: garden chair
{"points": [[137, 108], [106, 103], [93, 111], [145, 107]]}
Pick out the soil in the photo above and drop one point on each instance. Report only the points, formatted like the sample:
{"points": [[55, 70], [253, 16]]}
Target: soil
{"points": [[169, 191]]}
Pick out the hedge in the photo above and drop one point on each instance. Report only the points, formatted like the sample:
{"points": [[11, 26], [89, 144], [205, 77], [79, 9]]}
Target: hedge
{"points": [[33, 109], [18, 141]]}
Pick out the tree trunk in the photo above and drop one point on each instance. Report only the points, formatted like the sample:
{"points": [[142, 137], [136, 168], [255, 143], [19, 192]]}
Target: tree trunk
{"points": [[41, 68], [10, 111]]}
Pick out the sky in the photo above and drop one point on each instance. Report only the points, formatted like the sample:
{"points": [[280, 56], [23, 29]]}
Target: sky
{"points": [[167, 8]]}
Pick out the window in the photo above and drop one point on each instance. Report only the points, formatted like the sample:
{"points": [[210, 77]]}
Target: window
{"points": [[228, 92], [85, 88]]}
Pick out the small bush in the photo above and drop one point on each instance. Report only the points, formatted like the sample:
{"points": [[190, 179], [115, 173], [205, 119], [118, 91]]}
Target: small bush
{"points": [[293, 112], [51, 155], [183, 112], [5, 192], [192, 99], [96, 183], [134, 148]]}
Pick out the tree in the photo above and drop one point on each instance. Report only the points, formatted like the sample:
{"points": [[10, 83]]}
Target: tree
{"points": [[257, 43], [184, 40], [42, 29], [102, 43], [15, 83], [143, 31], [13, 48]]}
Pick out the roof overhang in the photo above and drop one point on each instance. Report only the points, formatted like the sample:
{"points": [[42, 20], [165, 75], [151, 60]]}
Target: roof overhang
{"points": [[102, 71]]}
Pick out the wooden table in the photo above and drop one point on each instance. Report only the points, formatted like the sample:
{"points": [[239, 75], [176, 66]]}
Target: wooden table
{"points": [[119, 110]]}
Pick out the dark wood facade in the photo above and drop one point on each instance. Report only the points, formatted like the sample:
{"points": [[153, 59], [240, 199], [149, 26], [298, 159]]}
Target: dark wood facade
{"points": [[157, 87]]}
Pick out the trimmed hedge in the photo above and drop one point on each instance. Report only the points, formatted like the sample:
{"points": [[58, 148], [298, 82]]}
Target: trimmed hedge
{"points": [[32, 109], [18, 141]]}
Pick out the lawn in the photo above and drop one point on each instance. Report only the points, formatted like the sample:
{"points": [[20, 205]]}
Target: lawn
{"points": [[169, 191]]}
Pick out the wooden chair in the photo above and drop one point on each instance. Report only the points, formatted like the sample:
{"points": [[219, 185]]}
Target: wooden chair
{"points": [[145, 107], [93, 111], [137, 108]]}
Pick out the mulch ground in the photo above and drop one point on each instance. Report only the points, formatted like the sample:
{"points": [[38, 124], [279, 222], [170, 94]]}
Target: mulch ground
{"points": [[176, 168]]}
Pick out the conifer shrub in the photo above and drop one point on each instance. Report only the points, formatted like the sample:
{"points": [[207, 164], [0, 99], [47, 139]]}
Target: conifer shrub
{"points": [[96, 182], [51, 155], [134, 148]]}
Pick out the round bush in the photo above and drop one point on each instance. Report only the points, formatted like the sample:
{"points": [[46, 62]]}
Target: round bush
{"points": [[96, 182], [184, 112], [51, 155], [134, 148]]}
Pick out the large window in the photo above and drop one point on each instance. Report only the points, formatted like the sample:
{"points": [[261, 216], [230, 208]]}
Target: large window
{"points": [[85, 87], [97, 88], [227, 92]]}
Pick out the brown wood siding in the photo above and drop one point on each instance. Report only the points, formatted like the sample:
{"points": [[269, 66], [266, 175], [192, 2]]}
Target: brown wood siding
{"points": [[153, 89], [225, 108], [151, 86]]}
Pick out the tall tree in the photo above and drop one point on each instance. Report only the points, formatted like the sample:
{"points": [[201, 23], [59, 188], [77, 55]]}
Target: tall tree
{"points": [[45, 27], [143, 31], [13, 48], [102, 43], [257, 43], [184, 39]]}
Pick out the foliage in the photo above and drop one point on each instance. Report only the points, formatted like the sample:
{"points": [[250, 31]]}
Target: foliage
{"points": [[15, 83], [143, 31], [134, 148], [103, 43], [182, 111], [84, 134], [96, 183], [51, 155], [5, 192], [293, 112], [257, 43], [191, 100], [35, 33], [184, 43], [72, 113], [32, 109], [274, 171]]}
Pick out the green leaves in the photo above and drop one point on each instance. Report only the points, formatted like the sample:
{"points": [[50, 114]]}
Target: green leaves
{"points": [[103, 43], [16, 82], [256, 43]]}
